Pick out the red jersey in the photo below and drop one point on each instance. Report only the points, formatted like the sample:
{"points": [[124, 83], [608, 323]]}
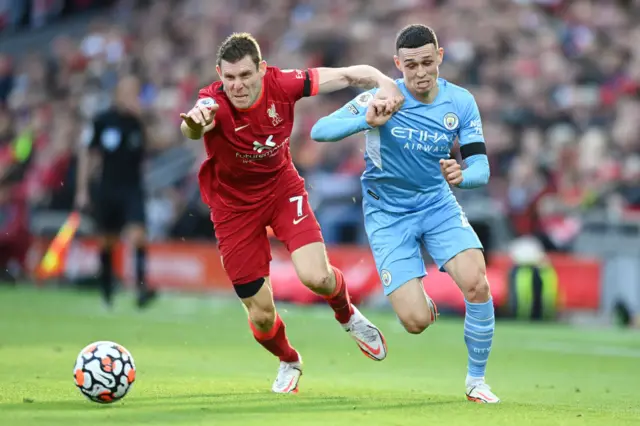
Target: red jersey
{"points": [[248, 155]]}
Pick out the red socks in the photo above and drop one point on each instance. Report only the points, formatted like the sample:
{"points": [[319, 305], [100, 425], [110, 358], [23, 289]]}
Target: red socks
{"points": [[339, 300], [275, 340]]}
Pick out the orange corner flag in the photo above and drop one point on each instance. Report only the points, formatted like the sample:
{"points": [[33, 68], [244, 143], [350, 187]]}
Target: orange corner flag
{"points": [[52, 263]]}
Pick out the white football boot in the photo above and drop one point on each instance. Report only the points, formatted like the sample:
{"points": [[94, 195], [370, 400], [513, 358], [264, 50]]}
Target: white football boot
{"points": [[481, 393], [368, 337], [288, 377]]}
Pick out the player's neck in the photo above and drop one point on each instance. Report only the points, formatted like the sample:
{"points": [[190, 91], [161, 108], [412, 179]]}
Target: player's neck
{"points": [[427, 97]]}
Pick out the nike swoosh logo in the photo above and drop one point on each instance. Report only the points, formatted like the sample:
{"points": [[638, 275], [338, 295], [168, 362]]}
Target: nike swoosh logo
{"points": [[371, 350], [300, 219], [240, 128]]}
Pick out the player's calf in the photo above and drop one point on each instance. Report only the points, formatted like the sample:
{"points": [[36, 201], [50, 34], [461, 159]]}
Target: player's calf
{"points": [[268, 328], [270, 331], [414, 308], [469, 272], [315, 272]]}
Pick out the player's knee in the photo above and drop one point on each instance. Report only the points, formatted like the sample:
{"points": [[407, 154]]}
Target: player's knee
{"points": [[477, 286], [263, 317], [259, 303], [317, 280], [415, 327], [416, 322]]}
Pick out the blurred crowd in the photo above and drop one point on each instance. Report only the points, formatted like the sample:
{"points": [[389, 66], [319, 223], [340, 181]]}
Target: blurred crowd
{"points": [[557, 83]]}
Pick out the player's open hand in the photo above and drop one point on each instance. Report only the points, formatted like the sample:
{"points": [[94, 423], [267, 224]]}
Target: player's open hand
{"points": [[451, 171], [200, 116], [379, 112]]}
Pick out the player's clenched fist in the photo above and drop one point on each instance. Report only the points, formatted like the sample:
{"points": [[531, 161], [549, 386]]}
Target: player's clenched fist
{"points": [[451, 171], [200, 116], [392, 94], [379, 112]]}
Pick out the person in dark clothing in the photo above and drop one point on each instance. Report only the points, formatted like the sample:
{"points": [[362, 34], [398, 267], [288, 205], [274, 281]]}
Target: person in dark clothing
{"points": [[118, 140]]}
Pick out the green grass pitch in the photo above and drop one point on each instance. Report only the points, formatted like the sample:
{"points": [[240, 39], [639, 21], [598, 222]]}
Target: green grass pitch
{"points": [[199, 365]]}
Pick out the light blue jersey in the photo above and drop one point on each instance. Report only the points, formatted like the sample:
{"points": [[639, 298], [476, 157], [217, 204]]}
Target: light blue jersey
{"points": [[403, 155], [409, 205], [406, 200]]}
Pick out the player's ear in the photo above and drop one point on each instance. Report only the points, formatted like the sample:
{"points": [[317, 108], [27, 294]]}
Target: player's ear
{"points": [[440, 55], [396, 60], [262, 68], [219, 72]]}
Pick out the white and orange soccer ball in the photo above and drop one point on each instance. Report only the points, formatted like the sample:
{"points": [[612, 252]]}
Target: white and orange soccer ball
{"points": [[104, 372]]}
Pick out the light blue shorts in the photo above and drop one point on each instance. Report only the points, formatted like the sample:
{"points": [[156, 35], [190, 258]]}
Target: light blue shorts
{"points": [[396, 240]]}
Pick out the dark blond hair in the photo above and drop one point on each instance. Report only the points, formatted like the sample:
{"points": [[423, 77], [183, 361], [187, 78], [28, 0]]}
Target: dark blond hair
{"points": [[237, 46]]}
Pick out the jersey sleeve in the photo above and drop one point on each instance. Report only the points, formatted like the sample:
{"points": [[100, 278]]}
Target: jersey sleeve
{"points": [[346, 121], [472, 147], [471, 124], [206, 97], [297, 83], [359, 104]]}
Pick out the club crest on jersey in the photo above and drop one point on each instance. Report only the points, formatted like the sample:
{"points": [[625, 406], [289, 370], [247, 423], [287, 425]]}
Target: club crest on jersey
{"points": [[385, 277], [451, 121], [206, 102], [273, 115], [111, 138]]}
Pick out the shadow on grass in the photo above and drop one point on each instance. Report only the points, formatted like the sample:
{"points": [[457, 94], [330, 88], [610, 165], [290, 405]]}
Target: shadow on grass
{"points": [[233, 403]]}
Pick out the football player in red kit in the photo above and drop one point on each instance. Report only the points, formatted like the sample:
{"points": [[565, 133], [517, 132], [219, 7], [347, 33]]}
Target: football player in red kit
{"points": [[250, 182]]}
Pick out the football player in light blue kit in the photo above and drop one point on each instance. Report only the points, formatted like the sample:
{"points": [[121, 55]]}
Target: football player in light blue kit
{"points": [[408, 201]]}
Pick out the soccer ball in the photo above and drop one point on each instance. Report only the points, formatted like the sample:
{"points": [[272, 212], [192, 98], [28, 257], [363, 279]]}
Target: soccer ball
{"points": [[104, 372]]}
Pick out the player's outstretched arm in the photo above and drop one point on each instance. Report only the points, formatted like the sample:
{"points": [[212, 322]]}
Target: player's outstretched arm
{"points": [[338, 125], [362, 76], [362, 113]]}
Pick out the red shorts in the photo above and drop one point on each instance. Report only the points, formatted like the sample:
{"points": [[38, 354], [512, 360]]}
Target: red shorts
{"points": [[242, 236]]}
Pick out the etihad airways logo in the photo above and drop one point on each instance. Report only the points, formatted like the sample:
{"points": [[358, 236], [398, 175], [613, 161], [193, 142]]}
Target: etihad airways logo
{"points": [[423, 140], [418, 135]]}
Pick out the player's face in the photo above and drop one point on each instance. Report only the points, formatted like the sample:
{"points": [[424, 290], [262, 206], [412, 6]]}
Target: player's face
{"points": [[420, 67], [242, 80]]}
